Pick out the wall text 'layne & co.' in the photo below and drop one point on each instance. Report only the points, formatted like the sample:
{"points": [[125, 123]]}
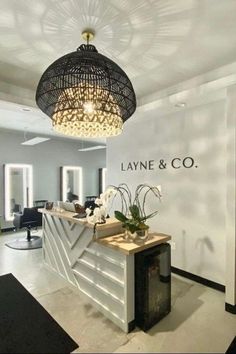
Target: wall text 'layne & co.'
{"points": [[162, 164]]}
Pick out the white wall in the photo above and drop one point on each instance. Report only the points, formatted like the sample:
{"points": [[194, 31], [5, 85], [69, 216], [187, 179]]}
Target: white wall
{"points": [[193, 210], [47, 158], [231, 198]]}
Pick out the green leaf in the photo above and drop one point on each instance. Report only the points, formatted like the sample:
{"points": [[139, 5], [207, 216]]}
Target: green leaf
{"points": [[149, 216], [120, 216], [134, 211]]}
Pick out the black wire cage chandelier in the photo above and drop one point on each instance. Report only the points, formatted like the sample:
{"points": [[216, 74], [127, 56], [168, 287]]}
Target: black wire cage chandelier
{"points": [[86, 94]]}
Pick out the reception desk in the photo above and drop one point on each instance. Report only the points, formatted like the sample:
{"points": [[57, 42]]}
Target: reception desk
{"points": [[100, 264]]}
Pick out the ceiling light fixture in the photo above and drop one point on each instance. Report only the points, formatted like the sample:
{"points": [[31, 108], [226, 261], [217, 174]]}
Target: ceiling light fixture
{"points": [[35, 141], [96, 147], [86, 94], [26, 109]]}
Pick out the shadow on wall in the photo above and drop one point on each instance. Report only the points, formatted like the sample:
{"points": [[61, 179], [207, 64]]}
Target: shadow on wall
{"points": [[183, 245], [197, 192], [203, 244]]}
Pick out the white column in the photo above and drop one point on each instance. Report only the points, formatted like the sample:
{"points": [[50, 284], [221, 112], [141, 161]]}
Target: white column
{"points": [[230, 298]]}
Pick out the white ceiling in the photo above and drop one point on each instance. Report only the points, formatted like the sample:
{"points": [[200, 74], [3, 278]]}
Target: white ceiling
{"points": [[158, 43]]}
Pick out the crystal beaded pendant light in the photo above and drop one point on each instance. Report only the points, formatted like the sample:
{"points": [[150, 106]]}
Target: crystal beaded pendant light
{"points": [[86, 94]]}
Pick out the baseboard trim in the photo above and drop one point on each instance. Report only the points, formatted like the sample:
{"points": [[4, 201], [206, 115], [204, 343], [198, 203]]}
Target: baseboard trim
{"points": [[198, 279], [230, 308], [131, 326], [7, 229]]}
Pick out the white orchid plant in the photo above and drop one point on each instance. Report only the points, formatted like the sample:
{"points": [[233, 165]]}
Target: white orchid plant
{"points": [[133, 214], [100, 211]]}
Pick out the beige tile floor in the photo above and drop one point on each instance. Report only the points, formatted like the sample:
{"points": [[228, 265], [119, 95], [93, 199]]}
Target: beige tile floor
{"points": [[196, 324]]}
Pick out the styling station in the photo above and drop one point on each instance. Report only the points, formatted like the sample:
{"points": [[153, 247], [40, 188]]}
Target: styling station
{"points": [[107, 268]]}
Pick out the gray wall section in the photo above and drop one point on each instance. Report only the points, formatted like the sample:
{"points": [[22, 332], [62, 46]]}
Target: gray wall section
{"points": [[47, 158]]}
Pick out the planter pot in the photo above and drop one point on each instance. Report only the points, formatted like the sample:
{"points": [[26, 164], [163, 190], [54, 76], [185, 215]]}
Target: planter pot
{"points": [[138, 235], [142, 234]]}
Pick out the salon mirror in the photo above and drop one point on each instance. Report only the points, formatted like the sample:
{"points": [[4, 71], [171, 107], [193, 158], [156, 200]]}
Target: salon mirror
{"points": [[18, 182], [71, 184]]}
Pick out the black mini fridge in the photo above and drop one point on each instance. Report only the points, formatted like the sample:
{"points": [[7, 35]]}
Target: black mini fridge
{"points": [[152, 285]]}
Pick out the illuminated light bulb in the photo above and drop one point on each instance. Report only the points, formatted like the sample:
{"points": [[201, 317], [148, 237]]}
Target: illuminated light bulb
{"points": [[84, 120], [88, 107]]}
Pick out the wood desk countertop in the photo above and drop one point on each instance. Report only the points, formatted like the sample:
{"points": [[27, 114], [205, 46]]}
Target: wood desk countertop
{"points": [[68, 215], [118, 243]]}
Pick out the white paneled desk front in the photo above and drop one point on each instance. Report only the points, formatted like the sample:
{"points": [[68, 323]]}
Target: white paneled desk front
{"points": [[101, 267]]}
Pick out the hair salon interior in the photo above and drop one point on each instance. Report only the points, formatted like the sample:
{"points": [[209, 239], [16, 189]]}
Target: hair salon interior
{"points": [[133, 99]]}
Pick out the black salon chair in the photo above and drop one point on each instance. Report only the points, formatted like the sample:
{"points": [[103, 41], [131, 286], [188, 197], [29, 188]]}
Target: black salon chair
{"points": [[71, 196], [29, 219], [90, 204]]}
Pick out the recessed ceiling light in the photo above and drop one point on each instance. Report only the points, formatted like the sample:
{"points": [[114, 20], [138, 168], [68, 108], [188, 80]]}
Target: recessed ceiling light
{"points": [[180, 104], [35, 141], [96, 147], [26, 109]]}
